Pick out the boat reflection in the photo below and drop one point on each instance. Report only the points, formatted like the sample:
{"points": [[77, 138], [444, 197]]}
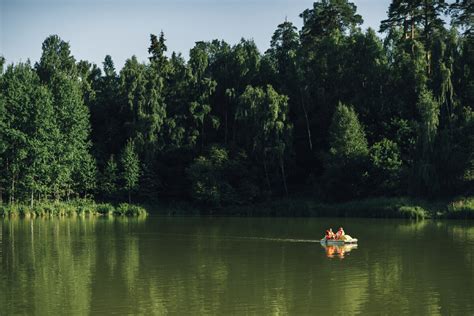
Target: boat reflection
{"points": [[340, 251]]}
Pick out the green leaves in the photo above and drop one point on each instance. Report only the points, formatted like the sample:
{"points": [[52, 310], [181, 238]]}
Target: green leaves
{"points": [[46, 127], [412, 92], [428, 108], [346, 134], [386, 166], [55, 58], [346, 165], [265, 129], [131, 168], [328, 16], [218, 179]]}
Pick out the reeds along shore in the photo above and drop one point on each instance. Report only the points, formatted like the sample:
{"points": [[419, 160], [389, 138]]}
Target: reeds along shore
{"points": [[383, 207], [71, 209]]}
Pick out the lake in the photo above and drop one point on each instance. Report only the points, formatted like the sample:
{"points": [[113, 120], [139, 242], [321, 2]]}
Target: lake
{"points": [[256, 266]]}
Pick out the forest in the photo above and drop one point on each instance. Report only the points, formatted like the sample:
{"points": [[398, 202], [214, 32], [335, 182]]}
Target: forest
{"points": [[329, 111]]}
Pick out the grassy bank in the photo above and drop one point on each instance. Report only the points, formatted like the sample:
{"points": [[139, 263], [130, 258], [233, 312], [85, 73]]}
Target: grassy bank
{"points": [[394, 207], [307, 207], [72, 208]]}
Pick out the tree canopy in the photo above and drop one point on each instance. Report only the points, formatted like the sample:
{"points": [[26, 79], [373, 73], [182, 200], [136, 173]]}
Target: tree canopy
{"points": [[329, 110]]}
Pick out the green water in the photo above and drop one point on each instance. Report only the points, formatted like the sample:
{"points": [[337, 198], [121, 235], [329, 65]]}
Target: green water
{"points": [[225, 266]]}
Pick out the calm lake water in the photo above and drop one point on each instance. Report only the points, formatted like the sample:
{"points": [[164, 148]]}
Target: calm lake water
{"points": [[224, 266]]}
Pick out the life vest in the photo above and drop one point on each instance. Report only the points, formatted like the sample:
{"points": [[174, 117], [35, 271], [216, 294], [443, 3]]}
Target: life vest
{"points": [[339, 234]]}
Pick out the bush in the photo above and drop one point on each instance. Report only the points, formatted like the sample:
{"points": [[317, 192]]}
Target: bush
{"points": [[125, 209], [73, 208], [461, 208], [217, 180], [386, 166], [105, 209]]}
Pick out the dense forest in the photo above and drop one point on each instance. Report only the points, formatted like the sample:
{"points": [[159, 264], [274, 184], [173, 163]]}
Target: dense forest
{"points": [[328, 111]]}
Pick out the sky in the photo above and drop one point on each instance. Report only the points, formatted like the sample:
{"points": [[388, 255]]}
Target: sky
{"points": [[122, 28]]}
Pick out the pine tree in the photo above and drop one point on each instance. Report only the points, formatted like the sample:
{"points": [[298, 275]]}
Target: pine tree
{"points": [[346, 135], [109, 178], [130, 168], [346, 165]]}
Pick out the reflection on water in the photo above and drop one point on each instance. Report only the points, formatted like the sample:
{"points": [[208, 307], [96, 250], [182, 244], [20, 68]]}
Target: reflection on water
{"points": [[339, 251], [234, 266]]}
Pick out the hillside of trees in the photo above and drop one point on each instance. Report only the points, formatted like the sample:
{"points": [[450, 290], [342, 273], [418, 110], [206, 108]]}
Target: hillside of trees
{"points": [[328, 111]]}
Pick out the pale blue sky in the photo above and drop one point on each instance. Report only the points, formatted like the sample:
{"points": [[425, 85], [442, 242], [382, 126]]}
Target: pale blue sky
{"points": [[122, 28]]}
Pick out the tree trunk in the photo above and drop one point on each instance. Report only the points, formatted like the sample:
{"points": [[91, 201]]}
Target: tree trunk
{"points": [[12, 194], [32, 198], [427, 36]]}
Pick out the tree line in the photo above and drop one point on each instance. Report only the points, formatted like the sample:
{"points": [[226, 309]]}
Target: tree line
{"points": [[328, 110]]}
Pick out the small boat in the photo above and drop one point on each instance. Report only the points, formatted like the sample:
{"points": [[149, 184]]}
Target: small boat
{"points": [[347, 240]]}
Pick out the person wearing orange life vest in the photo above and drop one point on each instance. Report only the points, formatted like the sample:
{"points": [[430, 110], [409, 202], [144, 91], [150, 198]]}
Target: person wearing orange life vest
{"points": [[340, 233], [330, 234]]}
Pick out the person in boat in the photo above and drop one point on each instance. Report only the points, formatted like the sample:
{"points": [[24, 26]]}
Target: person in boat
{"points": [[340, 234], [330, 234]]}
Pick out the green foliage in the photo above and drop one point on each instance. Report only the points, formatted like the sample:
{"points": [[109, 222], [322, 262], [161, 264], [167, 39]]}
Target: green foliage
{"points": [[56, 58], [71, 209], [2, 63], [206, 175], [125, 209], [141, 90], [110, 177], [346, 163], [328, 16], [426, 179], [386, 166], [280, 121], [463, 15], [428, 108], [411, 15], [461, 208], [157, 49], [376, 207], [263, 115], [130, 168], [29, 134], [218, 180], [346, 135]]}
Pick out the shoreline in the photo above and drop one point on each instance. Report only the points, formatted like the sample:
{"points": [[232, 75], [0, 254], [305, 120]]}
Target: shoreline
{"points": [[74, 208], [380, 207]]}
